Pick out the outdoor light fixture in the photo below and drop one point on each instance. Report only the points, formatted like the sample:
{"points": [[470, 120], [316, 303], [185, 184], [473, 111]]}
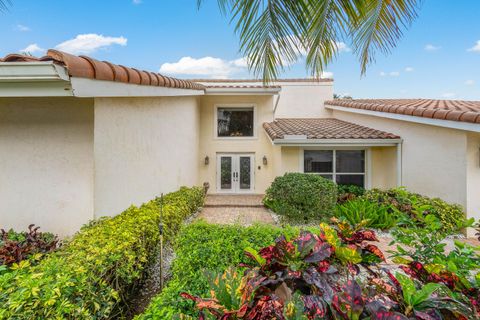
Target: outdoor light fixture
{"points": [[265, 162], [207, 160]]}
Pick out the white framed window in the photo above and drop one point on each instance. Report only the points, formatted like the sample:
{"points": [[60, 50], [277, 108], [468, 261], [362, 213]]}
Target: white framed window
{"points": [[235, 121], [343, 166]]}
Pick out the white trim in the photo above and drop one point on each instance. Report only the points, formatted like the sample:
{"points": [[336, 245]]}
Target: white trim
{"points": [[32, 71], [83, 87], [234, 105], [402, 117], [338, 142], [241, 91], [368, 168], [367, 164], [399, 165], [36, 89]]}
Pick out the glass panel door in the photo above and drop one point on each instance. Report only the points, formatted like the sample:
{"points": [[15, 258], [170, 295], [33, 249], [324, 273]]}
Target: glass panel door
{"points": [[245, 172], [226, 173], [235, 173]]}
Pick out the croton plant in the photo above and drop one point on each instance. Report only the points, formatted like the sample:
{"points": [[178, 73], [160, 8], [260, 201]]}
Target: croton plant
{"points": [[336, 274]]}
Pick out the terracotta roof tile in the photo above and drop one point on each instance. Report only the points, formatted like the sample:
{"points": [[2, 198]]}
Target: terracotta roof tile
{"points": [[322, 128], [453, 110], [87, 67], [260, 80]]}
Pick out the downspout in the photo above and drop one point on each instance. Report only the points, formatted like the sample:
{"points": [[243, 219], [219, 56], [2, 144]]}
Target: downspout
{"points": [[399, 165], [276, 105]]}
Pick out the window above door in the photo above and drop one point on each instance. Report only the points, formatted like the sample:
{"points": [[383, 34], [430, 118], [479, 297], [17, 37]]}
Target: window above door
{"points": [[235, 121]]}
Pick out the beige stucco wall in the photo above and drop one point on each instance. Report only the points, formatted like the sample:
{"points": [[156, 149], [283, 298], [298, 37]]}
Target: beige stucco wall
{"points": [[473, 177], [260, 145], [143, 147], [383, 167], [304, 100], [434, 159], [46, 156]]}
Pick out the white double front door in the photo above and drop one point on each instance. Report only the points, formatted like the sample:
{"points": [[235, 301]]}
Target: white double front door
{"points": [[235, 173]]}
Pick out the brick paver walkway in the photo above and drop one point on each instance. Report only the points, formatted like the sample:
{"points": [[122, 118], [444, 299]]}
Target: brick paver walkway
{"points": [[230, 209]]}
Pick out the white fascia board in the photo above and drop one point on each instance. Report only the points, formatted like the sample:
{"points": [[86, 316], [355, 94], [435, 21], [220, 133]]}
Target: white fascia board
{"points": [[83, 87], [242, 91], [36, 89], [32, 71], [338, 142], [402, 117]]}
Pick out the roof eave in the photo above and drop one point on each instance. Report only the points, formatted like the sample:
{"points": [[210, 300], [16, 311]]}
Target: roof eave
{"points": [[460, 125], [32, 72], [242, 91], [338, 142]]}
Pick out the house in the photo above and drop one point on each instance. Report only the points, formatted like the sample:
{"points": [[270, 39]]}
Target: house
{"points": [[82, 138]]}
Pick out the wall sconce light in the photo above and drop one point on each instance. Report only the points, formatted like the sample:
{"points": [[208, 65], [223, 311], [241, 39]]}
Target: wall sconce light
{"points": [[265, 161], [207, 160]]}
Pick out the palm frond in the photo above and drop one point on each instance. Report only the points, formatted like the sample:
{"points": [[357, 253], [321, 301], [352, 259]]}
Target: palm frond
{"points": [[4, 4], [276, 33]]}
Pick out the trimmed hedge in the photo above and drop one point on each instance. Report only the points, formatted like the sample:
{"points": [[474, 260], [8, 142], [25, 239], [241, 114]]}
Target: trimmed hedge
{"points": [[202, 248], [302, 197], [93, 275]]}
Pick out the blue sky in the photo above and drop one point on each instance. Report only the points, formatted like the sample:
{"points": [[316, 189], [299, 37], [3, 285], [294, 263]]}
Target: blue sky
{"points": [[438, 57]]}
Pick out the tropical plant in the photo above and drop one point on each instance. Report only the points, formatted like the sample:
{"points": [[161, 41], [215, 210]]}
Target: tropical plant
{"points": [[276, 33], [307, 277], [376, 215], [348, 192], [425, 244], [18, 246], [301, 197], [416, 207]]}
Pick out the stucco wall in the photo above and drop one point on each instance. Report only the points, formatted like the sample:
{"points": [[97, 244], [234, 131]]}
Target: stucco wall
{"points": [[473, 176], [383, 167], [304, 100], [433, 158], [46, 156], [143, 146], [260, 145]]}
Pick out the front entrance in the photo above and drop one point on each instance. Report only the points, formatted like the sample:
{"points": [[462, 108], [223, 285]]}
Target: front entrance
{"points": [[235, 173]]}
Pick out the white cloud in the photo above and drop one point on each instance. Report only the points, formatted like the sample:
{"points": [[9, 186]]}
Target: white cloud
{"points": [[476, 47], [33, 48], [88, 43], [409, 69], [391, 74], [448, 95], [342, 47], [431, 47], [470, 82], [326, 75], [21, 27], [206, 66]]}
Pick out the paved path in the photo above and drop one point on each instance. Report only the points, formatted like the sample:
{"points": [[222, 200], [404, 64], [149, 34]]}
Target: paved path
{"points": [[235, 209]]}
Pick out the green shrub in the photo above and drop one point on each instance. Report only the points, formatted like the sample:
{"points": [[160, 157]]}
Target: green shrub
{"points": [[378, 216], [93, 275], [302, 197], [450, 215], [347, 192], [202, 248]]}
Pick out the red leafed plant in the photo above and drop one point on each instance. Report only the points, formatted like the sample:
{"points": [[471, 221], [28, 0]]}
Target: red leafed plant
{"points": [[315, 277], [15, 247]]}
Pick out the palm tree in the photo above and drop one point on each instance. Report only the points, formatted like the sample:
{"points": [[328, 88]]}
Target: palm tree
{"points": [[4, 5], [276, 33]]}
